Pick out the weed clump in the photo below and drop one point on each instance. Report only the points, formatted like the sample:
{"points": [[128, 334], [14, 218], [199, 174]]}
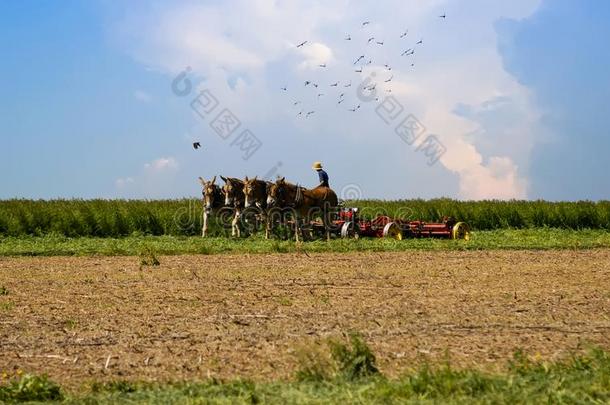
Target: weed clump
{"points": [[348, 361], [30, 387], [355, 360], [148, 257]]}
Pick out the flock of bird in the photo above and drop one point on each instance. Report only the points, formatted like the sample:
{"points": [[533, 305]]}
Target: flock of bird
{"points": [[360, 63]]}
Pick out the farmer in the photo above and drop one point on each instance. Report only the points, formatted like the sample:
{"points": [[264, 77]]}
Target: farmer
{"points": [[317, 166]]}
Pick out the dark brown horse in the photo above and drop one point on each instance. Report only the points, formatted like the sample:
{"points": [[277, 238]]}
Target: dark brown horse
{"points": [[234, 198], [255, 198], [212, 201], [305, 203]]}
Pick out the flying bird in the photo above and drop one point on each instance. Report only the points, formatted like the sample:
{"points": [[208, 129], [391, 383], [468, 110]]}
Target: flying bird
{"points": [[296, 103], [421, 41], [388, 67], [369, 62], [284, 88], [366, 23], [309, 113], [355, 108], [300, 113], [371, 39], [442, 16], [315, 85], [301, 44], [196, 145], [349, 84], [408, 52], [307, 82], [341, 95], [340, 101], [320, 95], [358, 70], [322, 65], [379, 43], [359, 59], [334, 84], [348, 38], [389, 80], [404, 34], [388, 91]]}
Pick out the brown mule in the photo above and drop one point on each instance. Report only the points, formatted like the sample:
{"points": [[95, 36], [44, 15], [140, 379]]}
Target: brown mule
{"points": [[255, 198], [305, 203], [212, 201], [234, 198]]}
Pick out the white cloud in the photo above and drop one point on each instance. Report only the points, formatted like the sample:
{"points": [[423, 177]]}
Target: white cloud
{"points": [[314, 55], [457, 65], [124, 182], [161, 164]]}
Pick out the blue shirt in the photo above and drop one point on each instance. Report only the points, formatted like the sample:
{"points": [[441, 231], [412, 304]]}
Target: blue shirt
{"points": [[323, 177]]}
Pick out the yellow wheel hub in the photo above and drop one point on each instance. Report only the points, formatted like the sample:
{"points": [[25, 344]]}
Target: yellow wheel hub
{"points": [[461, 230]]}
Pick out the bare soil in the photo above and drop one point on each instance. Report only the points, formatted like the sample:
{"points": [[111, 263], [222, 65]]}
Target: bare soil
{"points": [[102, 318]]}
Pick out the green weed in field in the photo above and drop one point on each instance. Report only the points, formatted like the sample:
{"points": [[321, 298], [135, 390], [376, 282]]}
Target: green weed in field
{"points": [[30, 388], [148, 257]]}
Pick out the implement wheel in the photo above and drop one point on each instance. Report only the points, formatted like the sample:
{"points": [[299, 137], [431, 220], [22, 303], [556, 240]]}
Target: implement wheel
{"points": [[392, 230], [461, 230], [350, 230]]}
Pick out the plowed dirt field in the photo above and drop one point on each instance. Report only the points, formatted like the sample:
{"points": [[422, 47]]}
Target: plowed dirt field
{"points": [[102, 318]]}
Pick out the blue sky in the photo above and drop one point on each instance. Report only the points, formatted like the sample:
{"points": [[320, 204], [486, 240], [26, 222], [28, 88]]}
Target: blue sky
{"points": [[514, 92]]}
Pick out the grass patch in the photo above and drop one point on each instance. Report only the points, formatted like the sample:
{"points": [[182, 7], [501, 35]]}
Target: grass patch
{"points": [[579, 379], [538, 239], [30, 388]]}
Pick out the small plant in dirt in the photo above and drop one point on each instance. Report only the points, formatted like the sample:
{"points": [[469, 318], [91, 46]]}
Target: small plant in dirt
{"points": [[285, 301], [355, 360], [30, 387], [3, 290], [70, 323], [315, 363], [148, 257], [350, 361]]}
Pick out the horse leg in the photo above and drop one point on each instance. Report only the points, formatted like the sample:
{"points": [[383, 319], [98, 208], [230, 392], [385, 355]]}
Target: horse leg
{"points": [[297, 228], [204, 227], [234, 225], [236, 220], [265, 221], [327, 227]]}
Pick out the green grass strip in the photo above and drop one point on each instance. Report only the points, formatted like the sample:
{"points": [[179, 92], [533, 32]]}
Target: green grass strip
{"points": [[523, 239]]}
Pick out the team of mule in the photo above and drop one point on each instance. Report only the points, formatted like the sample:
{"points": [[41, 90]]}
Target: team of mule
{"points": [[268, 203]]}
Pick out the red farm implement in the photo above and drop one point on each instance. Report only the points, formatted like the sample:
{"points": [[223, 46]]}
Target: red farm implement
{"points": [[349, 225]]}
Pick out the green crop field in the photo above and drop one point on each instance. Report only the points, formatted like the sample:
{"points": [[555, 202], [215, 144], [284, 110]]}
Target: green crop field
{"points": [[126, 227], [116, 218]]}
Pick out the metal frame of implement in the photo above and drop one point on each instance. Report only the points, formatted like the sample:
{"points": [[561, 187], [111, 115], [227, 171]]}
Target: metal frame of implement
{"points": [[349, 225]]}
